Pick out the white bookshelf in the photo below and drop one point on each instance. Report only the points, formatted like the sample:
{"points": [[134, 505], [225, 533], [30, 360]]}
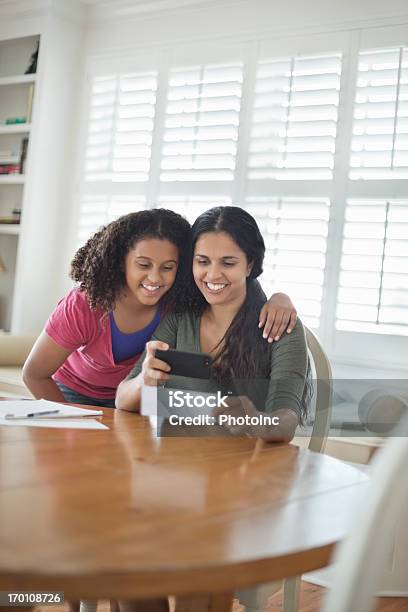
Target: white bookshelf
{"points": [[17, 91]]}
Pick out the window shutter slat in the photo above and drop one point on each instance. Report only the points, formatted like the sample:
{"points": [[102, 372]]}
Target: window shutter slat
{"points": [[96, 211], [295, 233], [191, 207], [373, 293], [201, 123], [380, 129], [294, 118], [120, 127]]}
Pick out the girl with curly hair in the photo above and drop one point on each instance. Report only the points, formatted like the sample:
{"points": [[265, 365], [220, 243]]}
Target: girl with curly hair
{"points": [[129, 274]]}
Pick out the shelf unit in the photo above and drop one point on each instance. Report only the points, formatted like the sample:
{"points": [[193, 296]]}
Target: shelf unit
{"points": [[17, 91]]}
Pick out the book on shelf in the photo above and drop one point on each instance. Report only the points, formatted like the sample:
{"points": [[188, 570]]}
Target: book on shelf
{"points": [[10, 168], [32, 67], [15, 120], [23, 154], [9, 221], [30, 97]]}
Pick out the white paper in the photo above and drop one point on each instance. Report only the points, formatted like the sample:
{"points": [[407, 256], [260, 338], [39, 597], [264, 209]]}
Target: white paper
{"points": [[55, 423], [155, 402], [148, 404], [22, 407]]}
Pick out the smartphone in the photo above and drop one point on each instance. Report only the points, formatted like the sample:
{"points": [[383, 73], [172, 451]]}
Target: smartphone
{"points": [[182, 363]]}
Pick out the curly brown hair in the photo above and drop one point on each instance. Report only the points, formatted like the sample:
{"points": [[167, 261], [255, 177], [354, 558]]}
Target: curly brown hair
{"points": [[99, 265]]}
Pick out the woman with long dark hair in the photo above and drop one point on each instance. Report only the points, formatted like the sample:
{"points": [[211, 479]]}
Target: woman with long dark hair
{"points": [[221, 319]]}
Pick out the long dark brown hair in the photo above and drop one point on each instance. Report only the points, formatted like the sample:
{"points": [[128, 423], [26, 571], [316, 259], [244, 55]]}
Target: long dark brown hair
{"points": [[243, 350]]}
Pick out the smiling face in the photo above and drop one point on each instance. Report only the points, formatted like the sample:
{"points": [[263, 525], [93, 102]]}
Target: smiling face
{"points": [[220, 268], [150, 270]]}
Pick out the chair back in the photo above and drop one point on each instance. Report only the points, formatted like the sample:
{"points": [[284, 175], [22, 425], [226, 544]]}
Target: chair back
{"points": [[361, 558], [254, 599], [324, 393]]}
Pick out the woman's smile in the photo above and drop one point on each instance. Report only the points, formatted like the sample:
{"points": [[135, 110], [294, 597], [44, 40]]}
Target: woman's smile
{"points": [[220, 268], [214, 288]]}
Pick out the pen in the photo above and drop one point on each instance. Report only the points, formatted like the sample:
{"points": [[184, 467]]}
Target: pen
{"points": [[31, 414], [14, 417]]}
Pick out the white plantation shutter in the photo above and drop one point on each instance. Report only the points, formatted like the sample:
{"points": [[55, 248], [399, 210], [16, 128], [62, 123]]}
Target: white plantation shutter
{"points": [[295, 233], [120, 127], [373, 291], [201, 123], [98, 210], [294, 119], [257, 125], [380, 128], [191, 207]]}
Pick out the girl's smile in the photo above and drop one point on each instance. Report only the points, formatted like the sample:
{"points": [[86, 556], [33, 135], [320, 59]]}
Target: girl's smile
{"points": [[150, 269]]}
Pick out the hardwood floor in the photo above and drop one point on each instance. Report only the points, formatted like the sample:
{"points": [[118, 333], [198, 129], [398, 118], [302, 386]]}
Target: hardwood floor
{"points": [[311, 596]]}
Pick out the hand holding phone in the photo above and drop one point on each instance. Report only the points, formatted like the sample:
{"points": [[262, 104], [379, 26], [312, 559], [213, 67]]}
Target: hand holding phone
{"points": [[153, 369]]}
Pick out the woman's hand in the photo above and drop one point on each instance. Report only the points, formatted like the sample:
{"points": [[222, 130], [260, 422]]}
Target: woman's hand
{"points": [[281, 429], [239, 407], [276, 316], [153, 369]]}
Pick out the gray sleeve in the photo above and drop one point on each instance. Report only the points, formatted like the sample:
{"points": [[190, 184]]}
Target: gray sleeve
{"points": [[289, 367], [166, 331]]}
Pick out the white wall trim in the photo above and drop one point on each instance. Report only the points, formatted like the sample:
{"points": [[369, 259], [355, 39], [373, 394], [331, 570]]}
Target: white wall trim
{"points": [[258, 35], [125, 8], [12, 9], [151, 9], [74, 10]]}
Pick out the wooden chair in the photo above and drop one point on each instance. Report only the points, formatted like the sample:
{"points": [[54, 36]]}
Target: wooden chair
{"points": [[254, 599], [361, 558], [88, 605]]}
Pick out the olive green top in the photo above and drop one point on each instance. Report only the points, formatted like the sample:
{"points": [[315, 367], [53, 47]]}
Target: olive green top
{"points": [[285, 360]]}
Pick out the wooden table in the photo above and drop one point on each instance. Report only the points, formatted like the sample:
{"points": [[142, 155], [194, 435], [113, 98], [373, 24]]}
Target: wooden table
{"points": [[122, 513]]}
